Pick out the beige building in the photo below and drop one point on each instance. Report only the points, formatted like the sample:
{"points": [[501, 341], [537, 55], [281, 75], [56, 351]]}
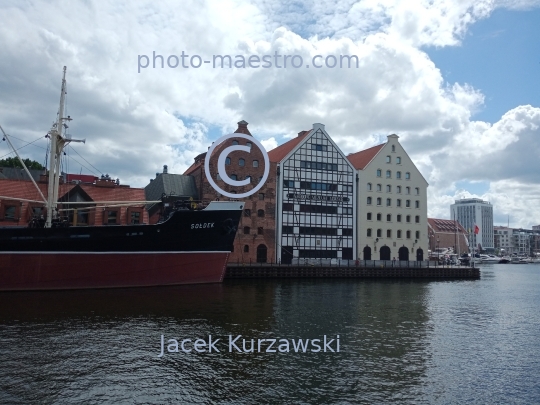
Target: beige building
{"points": [[392, 204]]}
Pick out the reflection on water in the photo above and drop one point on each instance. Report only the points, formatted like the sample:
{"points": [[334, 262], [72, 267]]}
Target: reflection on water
{"points": [[409, 342]]}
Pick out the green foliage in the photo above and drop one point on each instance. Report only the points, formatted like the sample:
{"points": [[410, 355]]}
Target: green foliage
{"points": [[14, 162]]}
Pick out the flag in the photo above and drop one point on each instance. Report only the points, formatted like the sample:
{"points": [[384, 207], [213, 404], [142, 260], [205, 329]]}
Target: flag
{"points": [[476, 229]]}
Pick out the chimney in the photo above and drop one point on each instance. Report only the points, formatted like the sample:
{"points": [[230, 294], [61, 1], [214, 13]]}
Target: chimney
{"points": [[165, 169], [317, 126], [242, 128], [302, 133]]}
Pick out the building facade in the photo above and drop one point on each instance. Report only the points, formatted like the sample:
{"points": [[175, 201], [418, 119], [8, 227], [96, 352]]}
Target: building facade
{"points": [[447, 234], [474, 211], [315, 200], [391, 204]]}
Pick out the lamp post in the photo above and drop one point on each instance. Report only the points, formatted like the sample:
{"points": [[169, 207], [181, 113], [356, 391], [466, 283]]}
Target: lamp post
{"points": [[438, 252], [375, 244]]}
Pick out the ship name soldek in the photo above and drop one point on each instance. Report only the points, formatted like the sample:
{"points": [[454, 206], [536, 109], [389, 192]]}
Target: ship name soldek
{"points": [[202, 225]]}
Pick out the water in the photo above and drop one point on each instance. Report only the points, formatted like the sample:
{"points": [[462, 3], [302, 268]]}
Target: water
{"points": [[400, 341]]}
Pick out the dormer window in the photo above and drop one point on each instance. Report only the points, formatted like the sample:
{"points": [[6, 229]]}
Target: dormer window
{"points": [[388, 159]]}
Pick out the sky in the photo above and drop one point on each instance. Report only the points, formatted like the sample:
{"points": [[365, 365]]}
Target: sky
{"points": [[458, 81]]}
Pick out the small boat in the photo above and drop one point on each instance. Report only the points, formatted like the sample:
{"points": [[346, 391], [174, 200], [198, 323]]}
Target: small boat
{"points": [[504, 260], [490, 259]]}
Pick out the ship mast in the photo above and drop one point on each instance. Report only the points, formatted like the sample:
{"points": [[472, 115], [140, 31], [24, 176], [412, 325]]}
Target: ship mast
{"points": [[58, 142]]}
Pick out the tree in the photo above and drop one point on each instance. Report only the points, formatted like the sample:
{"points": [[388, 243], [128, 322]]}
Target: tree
{"points": [[14, 162]]}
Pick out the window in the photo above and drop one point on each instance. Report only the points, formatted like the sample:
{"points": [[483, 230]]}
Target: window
{"points": [[347, 210], [246, 230], [399, 218], [261, 196], [287, 229], [112, 217], [398, 202], [388, 174], [388, 188], [416, 191], [379, 217], [417, 234], [388, 217], [233, 177], [407, 190], [135, 217], [235, 142], [369, 232], [369, 216], [379, 172], [369, 186], [417, 204], [379, 187], [260, 213], [347, 232], [248, 144], [393, 148], [241, 162], [247, 212], [408, 203], [407, 176], [408, 218], [388, 202], [417, 219], [399, 189], [388, 159], [9, 211], [319, 148], [399, 233], [398, 160], [379, 201], [288, 207], [288, 183], [408, 234], [379, 233], [318, 209], [398, 175], [388, 233], [248, 178], [228, 161], [246, 248], [255, 163], [260, 230], [369, 200]]}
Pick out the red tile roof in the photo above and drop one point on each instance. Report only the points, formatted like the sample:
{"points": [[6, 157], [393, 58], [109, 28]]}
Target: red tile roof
{"points": [[445, 225], [361, 159], [277, 154]]}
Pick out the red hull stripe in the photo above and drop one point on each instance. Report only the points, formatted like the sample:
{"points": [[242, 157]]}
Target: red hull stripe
{"points": [[108, 270]]}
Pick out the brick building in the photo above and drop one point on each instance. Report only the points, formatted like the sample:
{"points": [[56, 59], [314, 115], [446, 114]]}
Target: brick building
{"points": [[255, 239], [445, 233]]}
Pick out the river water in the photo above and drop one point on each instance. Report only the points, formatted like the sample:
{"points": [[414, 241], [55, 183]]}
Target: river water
{"points": [[399, 341]]}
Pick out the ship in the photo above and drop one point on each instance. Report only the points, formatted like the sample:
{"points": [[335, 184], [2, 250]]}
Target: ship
{"points": [[190, 245]]}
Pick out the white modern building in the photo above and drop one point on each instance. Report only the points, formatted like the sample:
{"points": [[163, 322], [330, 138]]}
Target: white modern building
{"points": [[474, 211], [392, 204], [315, 199]]}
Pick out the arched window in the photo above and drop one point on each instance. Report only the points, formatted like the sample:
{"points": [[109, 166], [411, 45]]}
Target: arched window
{"points": [[234, 177], [408, 218], [408, 203], [248, 178], [408, 234], [261, 254], [248, 144], [241, 162], [369, 232], [246, 230], [398, 160], [398, 218], [255, 163], [416, 191], [389, 217], [417, 219], [260, 230], [379, 172], [399, 233], [235, 142], [388, 233], [379, 187], [407, 190], [417, 204], [369, 200], [388, 159], [369, 186], [379, 233], [398, 175], [399, 189], [388, 174], [417, 235], [388, 202], [407, 176], [369, 216], [228, 161], [246, 248], [379, 201], [398, 202], [393, 148], [379, 217], [260, 213], [388, 188]]}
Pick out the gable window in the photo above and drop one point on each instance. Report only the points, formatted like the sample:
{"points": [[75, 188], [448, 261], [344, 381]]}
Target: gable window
{"points": [[246, 230], [260, 230], [228, 161], [261, 196], [398, 160], [407, 176], [388, 174], [241, 162], [255, 163], [416, 191], [393, 148], [369, 216], [247, 212], [246, 248], [388, 159], [398, 175], [319, 148], [260, 213], [369, 186], [388, 188], [379, 172]]}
